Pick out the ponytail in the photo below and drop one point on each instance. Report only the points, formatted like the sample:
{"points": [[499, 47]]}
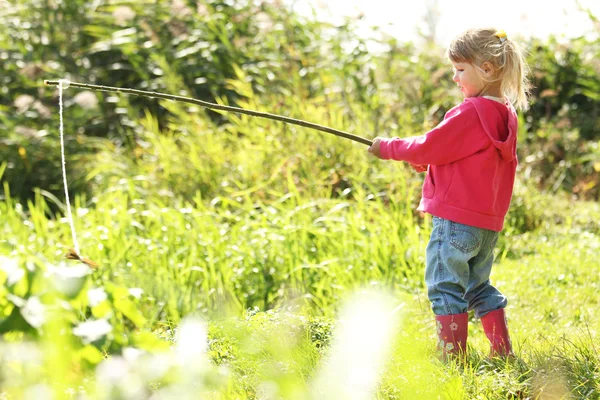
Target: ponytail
{"points": [[515, 84]]}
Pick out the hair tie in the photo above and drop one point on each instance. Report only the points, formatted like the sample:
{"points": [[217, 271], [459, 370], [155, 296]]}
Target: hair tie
{"points": [[501, 34]]}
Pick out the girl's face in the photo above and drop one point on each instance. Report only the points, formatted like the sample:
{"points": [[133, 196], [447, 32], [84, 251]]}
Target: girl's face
{"points": [[468, 79]]}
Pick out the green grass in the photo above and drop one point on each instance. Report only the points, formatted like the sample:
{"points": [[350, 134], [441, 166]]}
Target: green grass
{"points": [[267, 246], [300, 259]]}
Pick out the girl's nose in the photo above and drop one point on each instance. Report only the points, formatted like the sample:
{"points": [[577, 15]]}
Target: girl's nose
{"points": [[455, 77]]}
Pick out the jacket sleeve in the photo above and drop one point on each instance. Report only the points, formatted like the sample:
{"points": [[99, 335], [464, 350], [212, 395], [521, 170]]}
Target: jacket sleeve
{"points": [[458, 136]]}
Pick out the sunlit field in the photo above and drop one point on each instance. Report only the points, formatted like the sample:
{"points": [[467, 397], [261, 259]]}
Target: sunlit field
{"points": [[260, 273], [233, 257]]}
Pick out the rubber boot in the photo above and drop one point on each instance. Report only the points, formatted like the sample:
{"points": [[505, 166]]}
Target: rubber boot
{"points": [[496, 330], [452, 333]]}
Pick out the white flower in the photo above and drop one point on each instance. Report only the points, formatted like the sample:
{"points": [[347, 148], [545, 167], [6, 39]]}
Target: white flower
{"points": [[64, 271], [136, 292], [90, 331], [192, 341], [69, 280], [34, 312], [449, 346], [454, 326], [11, 267], [96, 296]]}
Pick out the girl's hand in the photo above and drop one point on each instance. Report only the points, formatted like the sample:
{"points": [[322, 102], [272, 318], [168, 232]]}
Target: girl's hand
{"points": [[419, 168], [374, 148]]}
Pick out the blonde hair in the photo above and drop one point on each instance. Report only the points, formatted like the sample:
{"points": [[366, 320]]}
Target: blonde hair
{"points": [[478, 46]]}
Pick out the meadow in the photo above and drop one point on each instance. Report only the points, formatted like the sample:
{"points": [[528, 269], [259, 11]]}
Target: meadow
{"points": [[266, 265], [242, 258]]}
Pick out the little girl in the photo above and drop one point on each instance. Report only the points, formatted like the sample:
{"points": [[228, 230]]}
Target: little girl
{"points": [[470, 158]]}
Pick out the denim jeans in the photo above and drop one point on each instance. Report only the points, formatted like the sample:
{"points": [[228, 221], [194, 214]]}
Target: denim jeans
{"points": [[459, 261]]}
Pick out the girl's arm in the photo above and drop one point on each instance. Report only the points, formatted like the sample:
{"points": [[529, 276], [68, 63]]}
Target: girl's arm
{"points": [[375, 147], [458, 136]]}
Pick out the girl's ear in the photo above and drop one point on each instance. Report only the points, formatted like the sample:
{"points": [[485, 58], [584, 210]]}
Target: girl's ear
{"points": [[488, 69]]}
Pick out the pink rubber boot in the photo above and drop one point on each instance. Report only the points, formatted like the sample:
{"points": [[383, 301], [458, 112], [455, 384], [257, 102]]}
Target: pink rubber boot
{"points": [[452, 333], [496, 330]]}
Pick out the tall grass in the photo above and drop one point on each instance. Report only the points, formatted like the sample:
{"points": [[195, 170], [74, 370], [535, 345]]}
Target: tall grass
{"points": [[264, 232], [252, 213]]}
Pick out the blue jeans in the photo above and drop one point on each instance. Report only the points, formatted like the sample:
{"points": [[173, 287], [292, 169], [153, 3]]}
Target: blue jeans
{"points": [[459, 261]]}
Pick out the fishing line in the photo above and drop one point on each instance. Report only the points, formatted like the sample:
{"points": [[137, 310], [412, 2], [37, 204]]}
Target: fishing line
{"points": [[64, 84]]}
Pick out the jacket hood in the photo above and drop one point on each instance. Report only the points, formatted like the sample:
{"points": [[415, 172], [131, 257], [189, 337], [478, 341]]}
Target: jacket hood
{"points": [[489, 112]]}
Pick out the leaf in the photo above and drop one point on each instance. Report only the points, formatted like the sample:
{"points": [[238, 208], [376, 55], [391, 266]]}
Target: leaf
{"points": [[98, 31], [129, 309], [16, 323], [148, 341], [591, 94], [102, 310], [91, 354]]}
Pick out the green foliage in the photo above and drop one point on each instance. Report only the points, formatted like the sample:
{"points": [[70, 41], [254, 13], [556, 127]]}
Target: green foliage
{"points": [[259, 55], [227, 244], [195, 51], [566, 85], [562, 123], [281, 351]]}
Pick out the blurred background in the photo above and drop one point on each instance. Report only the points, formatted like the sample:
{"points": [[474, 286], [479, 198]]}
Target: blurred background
{"points": [[390, 80], [440, 20]]}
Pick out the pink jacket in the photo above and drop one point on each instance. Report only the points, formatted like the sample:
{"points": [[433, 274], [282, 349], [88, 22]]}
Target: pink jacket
{"points": [[472, 161]]}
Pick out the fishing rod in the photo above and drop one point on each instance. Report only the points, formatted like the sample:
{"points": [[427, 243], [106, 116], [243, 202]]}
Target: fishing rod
{"points": [[212, 106]]}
